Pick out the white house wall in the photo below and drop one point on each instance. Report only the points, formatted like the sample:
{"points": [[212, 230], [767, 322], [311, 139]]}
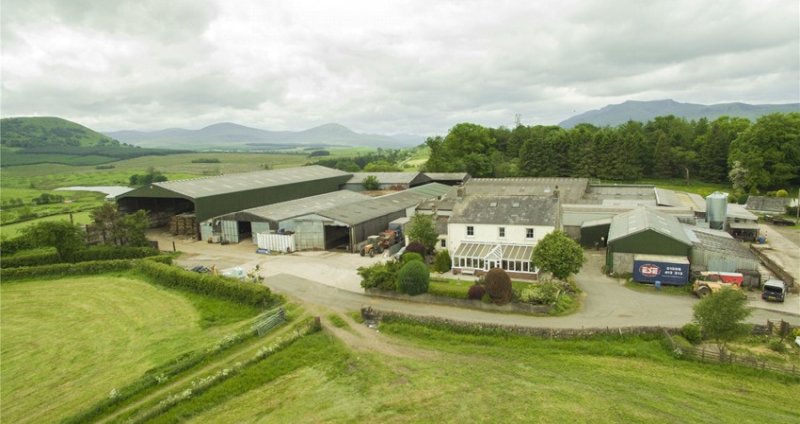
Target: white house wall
{"points": [[515, 234]]}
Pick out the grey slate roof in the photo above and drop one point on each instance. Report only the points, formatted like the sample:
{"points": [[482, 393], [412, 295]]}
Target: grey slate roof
{"points": [[570, 189], [221, 184], [375, 207], [509, 210], [285, 210], [767, 204], [643, 219]]}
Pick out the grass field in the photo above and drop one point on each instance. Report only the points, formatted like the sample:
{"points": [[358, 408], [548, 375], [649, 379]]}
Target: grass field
{"points": [[451, 377], [29, 181], [13, 230], [67, 343]]}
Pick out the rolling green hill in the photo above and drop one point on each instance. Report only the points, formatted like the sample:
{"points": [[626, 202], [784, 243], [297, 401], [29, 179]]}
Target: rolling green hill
{"points": [[25, 141], [49, 131]]}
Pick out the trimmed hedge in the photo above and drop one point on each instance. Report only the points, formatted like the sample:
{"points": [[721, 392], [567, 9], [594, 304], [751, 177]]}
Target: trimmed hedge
{"points": [[413, 278], [498, 286], [96, 253], [211, 285], [93, 267], [11, 246]]}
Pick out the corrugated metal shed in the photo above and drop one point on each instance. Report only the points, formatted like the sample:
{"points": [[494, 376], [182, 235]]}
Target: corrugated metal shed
{"points": [[391, 178], [767, 204], [666, 197], [642, 219], [449, 178], [644, 231], [510, 210], [715, 250], [360, 212], [737, 211], [196, 188], [213, 196], [577, 214], [285, 210]]}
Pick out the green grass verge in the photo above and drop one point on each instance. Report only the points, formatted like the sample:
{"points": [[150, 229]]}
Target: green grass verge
{"points": [[491, 378], [458, 288], [338, 321], [68, 342]]}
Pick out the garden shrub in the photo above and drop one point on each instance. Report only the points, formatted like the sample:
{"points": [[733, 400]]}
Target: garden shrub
{"points": [[691, 332], [442, 263], [380, 276], [777, 346], [411, 256], [416, 247], [563, 303], [498, 286], [413, 278], [544, 293], [476, 292]]}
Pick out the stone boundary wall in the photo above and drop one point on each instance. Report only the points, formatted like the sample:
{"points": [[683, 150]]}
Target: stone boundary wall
{"points": [[522, 308], [551, 333]]}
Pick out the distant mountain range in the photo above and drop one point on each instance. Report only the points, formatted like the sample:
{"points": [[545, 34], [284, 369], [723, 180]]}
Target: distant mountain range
{"points": [[613, 115], [230, 135]]}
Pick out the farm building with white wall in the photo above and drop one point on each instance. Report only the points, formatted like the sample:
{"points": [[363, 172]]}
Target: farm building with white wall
{"points": [[486, 232]]}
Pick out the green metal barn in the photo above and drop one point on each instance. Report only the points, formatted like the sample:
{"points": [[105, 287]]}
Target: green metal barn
{"points": [[644, 231], [208, 197]]}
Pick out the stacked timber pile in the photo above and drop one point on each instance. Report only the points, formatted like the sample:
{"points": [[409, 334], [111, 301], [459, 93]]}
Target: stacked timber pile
{"points": [[183, 224]]}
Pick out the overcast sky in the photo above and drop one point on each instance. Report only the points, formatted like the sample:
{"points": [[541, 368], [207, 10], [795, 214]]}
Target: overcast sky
{"points": [[386, 66]]}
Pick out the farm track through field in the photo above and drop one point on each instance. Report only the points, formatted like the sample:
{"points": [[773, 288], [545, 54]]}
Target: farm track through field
{"points": [[175, 386], [357, 337]]}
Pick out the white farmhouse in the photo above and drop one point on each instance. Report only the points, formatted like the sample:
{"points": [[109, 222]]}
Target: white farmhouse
{"points": [[488, 232]]}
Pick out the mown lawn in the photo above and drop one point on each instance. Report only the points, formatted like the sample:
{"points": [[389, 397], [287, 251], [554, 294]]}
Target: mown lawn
{"points": [[483, 378], [68, 342]]}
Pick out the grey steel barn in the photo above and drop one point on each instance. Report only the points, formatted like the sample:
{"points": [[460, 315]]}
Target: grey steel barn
{"points": [[208, 197]]}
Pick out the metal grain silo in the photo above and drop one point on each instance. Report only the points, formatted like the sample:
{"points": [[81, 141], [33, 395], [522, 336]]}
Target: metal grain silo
{"points": [[717, 209]]}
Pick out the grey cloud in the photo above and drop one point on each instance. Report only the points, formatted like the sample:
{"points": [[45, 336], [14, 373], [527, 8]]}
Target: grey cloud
{"points": [[387, 68]]}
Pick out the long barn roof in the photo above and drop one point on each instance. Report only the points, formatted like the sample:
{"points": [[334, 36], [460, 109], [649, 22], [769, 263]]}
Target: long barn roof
{"points": [[293, 208], [232, 183], [643, 219], [360, 212]]}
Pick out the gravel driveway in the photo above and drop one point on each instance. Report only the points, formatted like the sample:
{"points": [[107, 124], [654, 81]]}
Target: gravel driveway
{"points": [[329, 279]]}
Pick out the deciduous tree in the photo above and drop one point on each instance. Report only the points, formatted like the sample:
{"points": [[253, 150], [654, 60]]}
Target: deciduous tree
{"points": [[720, 316], [422, 229], [558, 254]]}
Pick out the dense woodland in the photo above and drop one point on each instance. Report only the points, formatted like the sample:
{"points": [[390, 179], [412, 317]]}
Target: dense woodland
{"points": [[764, 155]]}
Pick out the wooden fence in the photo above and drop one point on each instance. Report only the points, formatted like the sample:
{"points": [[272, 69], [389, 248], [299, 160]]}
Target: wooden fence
{"points": [[269, 320], [712, 354]]}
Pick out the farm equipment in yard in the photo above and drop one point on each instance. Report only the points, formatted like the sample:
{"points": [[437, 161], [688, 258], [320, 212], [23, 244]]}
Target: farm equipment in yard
{"points": [[712, 282], [379, 243], [371, 247]]}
